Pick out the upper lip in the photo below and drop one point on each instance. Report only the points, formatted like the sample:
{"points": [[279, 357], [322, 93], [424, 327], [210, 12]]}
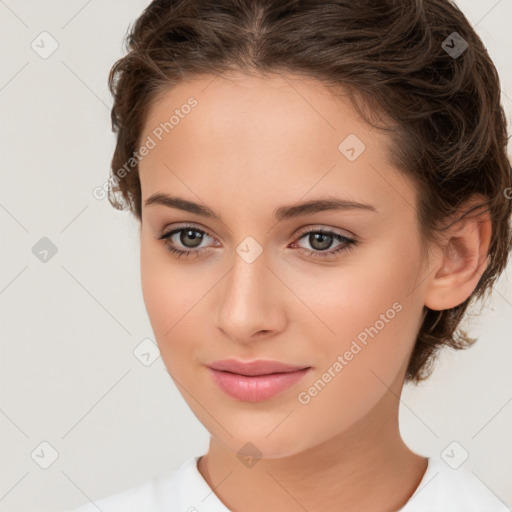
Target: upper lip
{"points": [[258, 367]]}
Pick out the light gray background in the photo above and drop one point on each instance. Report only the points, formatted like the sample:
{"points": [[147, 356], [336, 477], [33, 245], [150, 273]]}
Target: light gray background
{"points": [[69, 326]]}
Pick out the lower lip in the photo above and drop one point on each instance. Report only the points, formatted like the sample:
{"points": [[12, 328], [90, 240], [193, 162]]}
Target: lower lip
{"points": [[257, 388]]}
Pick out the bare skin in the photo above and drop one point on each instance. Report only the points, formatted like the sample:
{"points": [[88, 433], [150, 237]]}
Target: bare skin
{"points": [[251, 145]]}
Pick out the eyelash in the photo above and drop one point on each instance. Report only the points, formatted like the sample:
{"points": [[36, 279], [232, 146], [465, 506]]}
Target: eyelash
{"points": [[347, 243]]}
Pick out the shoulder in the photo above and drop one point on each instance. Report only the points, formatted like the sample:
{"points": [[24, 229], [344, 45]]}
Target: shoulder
{"points": [[167, 491], [452, 490]]}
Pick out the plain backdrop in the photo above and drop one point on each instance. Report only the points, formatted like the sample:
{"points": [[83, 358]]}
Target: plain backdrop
{"points": [[72, 388]]}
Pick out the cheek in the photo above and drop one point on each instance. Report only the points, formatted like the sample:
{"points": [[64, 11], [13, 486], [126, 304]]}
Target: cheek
{"points": [[175, 295], [167, 293], [375, 323], [370, 312]]}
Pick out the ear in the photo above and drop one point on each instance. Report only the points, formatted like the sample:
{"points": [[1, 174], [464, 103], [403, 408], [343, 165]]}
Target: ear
{"points": [[460, 260]]}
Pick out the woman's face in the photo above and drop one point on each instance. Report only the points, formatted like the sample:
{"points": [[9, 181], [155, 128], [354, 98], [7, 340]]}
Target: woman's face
{"points": [[259, 286]]}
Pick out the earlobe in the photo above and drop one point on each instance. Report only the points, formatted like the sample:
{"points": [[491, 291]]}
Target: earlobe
{"points": [[459, 263]]}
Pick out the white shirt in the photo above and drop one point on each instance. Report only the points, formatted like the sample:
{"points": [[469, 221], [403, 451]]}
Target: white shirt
{"points": [[442, 489]]}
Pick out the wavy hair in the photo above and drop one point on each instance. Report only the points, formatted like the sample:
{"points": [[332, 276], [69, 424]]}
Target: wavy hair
{"points": [[443, 111]]}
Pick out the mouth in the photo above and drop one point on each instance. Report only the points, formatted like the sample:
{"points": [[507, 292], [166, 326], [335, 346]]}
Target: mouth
{"points": [[258, 382], [255, 368]]}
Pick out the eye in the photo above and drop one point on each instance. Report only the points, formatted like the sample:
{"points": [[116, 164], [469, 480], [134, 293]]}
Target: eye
{"points": [[188, 236], [191, 238], [321, 239]]}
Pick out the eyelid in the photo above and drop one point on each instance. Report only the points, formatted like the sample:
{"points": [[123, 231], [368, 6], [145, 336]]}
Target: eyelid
{"points": [[347, 243], [183, 225], [298, 233], [320, 227]]}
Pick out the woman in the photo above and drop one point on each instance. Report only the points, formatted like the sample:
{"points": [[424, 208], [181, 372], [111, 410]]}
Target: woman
{"points": [[320, 189]]}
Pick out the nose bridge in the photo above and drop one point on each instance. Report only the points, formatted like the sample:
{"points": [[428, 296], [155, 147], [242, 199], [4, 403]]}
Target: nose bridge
{"points": [[247, 300], [248, 279]]}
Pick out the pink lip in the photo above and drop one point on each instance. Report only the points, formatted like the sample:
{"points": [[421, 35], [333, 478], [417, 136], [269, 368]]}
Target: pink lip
{"points": [[258, 380], [258, 367]]}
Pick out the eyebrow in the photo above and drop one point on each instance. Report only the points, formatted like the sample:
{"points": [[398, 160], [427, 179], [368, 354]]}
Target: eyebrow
{"points": [[282, 213]]}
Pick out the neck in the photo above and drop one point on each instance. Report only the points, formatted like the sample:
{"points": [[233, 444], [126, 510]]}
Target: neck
{"points": [[367, 467]]}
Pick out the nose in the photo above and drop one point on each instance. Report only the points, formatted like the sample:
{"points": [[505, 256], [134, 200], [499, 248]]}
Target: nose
{"points": [[250, 305]]}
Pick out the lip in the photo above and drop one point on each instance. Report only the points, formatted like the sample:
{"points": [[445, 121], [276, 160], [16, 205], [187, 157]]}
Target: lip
{"points": [[259, 380], [252, 368]]}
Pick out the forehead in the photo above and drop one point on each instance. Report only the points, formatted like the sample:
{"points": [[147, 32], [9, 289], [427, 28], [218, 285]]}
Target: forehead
{"points": [[274, 109], [264, 135]]}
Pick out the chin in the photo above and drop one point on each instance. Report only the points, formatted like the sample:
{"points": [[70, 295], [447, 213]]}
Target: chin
{"points": [[262, 446]]}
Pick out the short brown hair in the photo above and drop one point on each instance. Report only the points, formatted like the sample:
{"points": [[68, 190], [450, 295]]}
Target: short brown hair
{"points": [[448, 127]]}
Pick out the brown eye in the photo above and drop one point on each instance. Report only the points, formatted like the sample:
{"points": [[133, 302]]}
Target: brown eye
{"points": [[184, 241], [320, 240], [190, 238]]}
